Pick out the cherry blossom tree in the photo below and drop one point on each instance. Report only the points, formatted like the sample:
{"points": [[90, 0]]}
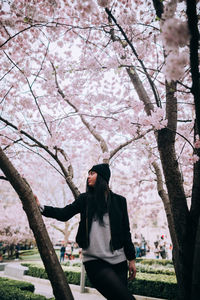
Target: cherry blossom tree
{"points": [[112, 77], [12, 231]]}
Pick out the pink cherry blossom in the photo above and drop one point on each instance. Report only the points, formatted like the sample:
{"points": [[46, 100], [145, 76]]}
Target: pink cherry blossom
{"points": [[64, 81], [175, 33], [194, 158], [103, 3], [175, 64], [197, 144]]}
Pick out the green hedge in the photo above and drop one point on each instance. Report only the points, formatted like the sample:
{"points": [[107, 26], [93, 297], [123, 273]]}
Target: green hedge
{"points": [[73, 277], [146, 284], [17, 290], [153, 285], [22, 285], [148, 261], [159, 269]]}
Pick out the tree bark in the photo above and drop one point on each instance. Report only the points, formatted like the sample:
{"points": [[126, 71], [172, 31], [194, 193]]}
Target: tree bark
{"points": [[165, 199], [139, 87], [194, 56], [174, 183], [195, 288], [55, 273], [195, 228], [195, 203]]}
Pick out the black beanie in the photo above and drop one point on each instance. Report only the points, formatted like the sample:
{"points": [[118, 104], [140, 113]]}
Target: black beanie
{"points": [[103, 170]]}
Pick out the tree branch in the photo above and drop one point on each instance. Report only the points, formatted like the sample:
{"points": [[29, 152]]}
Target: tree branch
{"points": [[139, 87], [31, 90], [91, 129], [117, 149], [3, 178], [67, 176], [136, 55]]}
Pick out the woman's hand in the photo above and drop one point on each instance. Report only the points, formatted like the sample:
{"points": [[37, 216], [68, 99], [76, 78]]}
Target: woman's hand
{"points": [[37, 201], [132, 270]]}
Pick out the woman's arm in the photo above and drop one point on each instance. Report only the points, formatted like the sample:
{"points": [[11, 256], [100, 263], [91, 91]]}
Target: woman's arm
{"points": [[129, 248], [65, 213]]}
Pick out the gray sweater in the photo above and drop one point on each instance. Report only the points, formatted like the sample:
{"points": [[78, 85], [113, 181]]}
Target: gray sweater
{"points": [[99, 247]]}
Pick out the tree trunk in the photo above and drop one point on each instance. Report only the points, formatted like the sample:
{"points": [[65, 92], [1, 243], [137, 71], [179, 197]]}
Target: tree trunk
{"points": [[174, 183], [195, 288], [195, 223], [195, 204], [194, 55], [165, 199], [55, 273]]}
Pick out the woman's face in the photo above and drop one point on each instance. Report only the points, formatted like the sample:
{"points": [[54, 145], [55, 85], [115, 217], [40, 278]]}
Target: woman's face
{"points": [[92, 176]]}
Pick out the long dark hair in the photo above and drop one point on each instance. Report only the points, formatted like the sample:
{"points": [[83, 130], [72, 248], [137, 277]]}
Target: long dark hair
{"points": [[97, 199]]}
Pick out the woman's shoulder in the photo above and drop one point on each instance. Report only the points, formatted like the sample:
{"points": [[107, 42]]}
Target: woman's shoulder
{"points": [[117, 196]]}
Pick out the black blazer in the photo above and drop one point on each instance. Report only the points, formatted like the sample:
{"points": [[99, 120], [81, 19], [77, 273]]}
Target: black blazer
{"points": [[119, 222]]}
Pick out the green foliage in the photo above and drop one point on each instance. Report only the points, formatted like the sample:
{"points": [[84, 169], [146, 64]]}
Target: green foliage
{"points": [[17, 290], [155, 269], [22, 285], [38, 272], [30, 252], [73, 277], [159, 283], [76, 264], [151, 285], [163, 262], [67, 264]]}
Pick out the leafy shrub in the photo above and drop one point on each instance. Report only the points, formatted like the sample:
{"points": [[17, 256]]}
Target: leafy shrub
{"points": [[35, 271], [155, 269], [163, 262], [76, 264], [152, 285], [147, 284], [22, 285], [17, 290], [29, 252], [67, 264]]}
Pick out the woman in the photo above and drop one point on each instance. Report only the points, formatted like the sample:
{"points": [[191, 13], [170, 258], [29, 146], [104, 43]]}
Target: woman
{"points": [[103, 234]]}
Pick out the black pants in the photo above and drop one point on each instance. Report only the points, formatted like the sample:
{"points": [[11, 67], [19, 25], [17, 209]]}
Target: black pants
{"points": [[110, 280]]}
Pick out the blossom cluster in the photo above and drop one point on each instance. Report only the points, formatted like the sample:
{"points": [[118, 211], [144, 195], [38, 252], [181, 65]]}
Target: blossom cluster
{"points": [[197, 144], [175, 33], [194, 158], [157, 119], [175, 63], [103, 3]]}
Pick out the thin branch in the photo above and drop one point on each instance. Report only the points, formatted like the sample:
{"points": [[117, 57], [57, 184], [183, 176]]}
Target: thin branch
{"points": [[34, 97], [27, 135], [40, 156], [67, 176], [42, 63], [3, 178], [13, 142], [128, 143], [4, 97], [7, 73], [91, 129], [137, 56], [16, 34]]}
